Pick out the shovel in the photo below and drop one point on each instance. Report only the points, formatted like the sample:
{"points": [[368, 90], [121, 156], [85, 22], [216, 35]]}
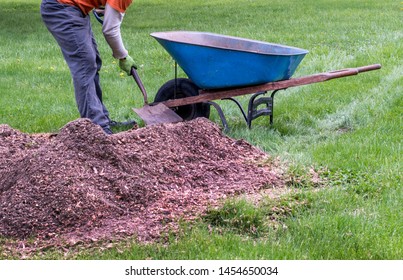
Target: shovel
{"points": [[150, 114], [153, 113]]}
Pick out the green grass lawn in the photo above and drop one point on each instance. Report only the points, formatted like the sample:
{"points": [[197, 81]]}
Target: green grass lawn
{"points": [[348, 130]]}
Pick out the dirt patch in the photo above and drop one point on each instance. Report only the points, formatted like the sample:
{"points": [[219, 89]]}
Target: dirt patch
{"points": [[81, 185]]}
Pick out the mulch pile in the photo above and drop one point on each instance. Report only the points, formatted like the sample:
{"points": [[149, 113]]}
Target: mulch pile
{"points": [[81, 184]]}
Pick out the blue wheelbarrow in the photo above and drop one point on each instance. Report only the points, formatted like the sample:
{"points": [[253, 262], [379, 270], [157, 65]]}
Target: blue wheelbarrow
{"points": [[222, 67]]}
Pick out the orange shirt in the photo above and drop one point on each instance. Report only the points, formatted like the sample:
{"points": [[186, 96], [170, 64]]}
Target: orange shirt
{"points": [[87, 5]]}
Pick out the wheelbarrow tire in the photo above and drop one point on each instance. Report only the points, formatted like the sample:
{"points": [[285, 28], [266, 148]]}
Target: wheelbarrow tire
{"points": [[184, 88]]}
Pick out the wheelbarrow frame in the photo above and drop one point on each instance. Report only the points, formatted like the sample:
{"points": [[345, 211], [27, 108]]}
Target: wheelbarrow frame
{"points": [[257, 99]]}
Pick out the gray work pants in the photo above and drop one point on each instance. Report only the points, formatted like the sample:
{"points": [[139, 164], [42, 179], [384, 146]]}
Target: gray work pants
{"points": [[72, 31]]}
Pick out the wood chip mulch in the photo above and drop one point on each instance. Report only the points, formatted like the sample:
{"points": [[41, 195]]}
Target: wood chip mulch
{"points": [[81, 184]]}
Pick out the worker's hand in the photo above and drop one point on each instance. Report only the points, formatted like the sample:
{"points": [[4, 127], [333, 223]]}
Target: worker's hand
{"points": [[126, 64]]}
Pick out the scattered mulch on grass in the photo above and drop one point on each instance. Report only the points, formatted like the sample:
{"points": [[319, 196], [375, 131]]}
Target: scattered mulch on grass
{"points": [[81, 184]]}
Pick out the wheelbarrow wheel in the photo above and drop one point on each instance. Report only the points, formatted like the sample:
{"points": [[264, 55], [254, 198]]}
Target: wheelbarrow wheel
{"points": [[184, 88]]}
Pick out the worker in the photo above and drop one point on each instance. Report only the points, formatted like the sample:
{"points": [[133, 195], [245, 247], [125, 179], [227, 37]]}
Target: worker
{"points": [[69, 22]]}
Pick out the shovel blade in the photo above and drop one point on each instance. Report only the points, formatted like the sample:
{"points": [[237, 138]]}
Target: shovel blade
{"points": [[157, 114]]}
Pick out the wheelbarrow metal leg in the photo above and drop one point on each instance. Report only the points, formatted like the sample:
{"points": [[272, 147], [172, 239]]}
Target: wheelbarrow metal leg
{"points": [[255, 102], [239, 106], [221, 114], [253, 110]]}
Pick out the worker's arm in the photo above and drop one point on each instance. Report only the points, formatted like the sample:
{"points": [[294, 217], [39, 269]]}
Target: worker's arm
{"points": [[111, 30]]}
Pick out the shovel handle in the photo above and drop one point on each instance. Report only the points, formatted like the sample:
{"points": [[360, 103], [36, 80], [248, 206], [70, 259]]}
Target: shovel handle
{"points": [[98, 15], [140, 84]]}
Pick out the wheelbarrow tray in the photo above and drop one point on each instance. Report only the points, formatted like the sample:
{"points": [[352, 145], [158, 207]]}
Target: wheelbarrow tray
{"points": [[214, 61]]}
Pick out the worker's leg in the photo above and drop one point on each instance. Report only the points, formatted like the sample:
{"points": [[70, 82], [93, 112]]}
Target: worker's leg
{"points": [[96, 79], [72, 31]]}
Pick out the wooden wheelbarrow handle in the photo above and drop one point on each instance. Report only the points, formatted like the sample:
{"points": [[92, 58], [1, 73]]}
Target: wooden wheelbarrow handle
{"points": [[350, 71], [369, 68], [208, 95]]}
